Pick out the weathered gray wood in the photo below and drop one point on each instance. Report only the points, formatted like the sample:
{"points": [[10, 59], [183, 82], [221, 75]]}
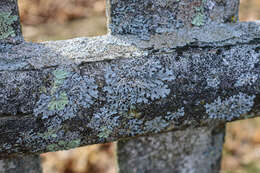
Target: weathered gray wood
{"points": [[10, 33], [20, 164], [191, 150], [65, 94]]}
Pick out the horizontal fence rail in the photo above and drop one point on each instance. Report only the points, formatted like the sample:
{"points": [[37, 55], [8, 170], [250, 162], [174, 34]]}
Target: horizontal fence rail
{"points": [[183, 66], [65, 94]]}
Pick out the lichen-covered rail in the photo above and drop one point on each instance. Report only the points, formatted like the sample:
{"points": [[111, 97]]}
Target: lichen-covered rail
{"points": [[65, 94], [186, 66]]}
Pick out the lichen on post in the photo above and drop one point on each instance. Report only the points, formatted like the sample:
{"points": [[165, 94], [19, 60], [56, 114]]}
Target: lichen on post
{"points": [[198, 72], [146, 18], [10, 28], [10, 32]]}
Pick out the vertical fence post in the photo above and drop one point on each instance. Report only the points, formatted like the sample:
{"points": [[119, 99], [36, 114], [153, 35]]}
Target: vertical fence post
{"points": [[192, 150], [10, 32], [20, 164]]}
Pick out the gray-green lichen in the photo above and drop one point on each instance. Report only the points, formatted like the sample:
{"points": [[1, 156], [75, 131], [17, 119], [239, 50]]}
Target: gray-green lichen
{"points": [[6, 22], [136, 81], [198, 20], [104, 122], [59, 103], [231, 107], [50, 133], [155, 125], [68, 93], [64, 145], [56, 99], [52, 139], [133, 82]]}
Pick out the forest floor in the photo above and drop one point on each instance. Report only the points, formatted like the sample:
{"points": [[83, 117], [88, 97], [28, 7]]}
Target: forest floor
{"points": [[64, 19]]}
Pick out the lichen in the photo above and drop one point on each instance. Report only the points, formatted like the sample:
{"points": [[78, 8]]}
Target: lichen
{"points": [[63, 145], [136, 81], [134, 126], [198, 20], [132, 122], [69, 93], [18, 91], [231, 107], [213, 81], [59, 76], [175, 115], [59, 103], [82, 90], [104, 122], [156, 125], [246, 79], [51, 133], [6, 22]]}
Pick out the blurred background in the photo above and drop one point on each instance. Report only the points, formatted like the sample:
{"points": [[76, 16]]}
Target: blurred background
{"points": [[63, 19]]}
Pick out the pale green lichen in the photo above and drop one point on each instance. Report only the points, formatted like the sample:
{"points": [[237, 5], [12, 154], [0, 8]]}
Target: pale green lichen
{"points": [[104, 132], [51, 133], [198, 20], [59, 103], [64, 145], [59, 76], [52, 147], [6, 28]]}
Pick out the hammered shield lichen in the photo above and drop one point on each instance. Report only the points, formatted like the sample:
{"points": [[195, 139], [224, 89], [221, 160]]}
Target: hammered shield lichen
{"points": [[6, 22]]}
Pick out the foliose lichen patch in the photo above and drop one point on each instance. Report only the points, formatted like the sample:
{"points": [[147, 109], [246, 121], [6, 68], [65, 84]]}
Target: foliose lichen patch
{"points": [[155, 125], [175, 115], [133, 82], [54, 138], [240, 67], [231, 107], [68, 93], [104, 122], [64, 145], [198, 20], [246, 79], [6, 28], [136, 81]]}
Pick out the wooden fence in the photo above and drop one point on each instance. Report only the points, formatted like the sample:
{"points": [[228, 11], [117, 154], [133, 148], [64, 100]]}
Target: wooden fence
{"points": [[162, 83]]}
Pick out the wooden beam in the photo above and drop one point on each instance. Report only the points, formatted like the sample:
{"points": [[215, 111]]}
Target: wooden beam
{"points": [[64, 94]]}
